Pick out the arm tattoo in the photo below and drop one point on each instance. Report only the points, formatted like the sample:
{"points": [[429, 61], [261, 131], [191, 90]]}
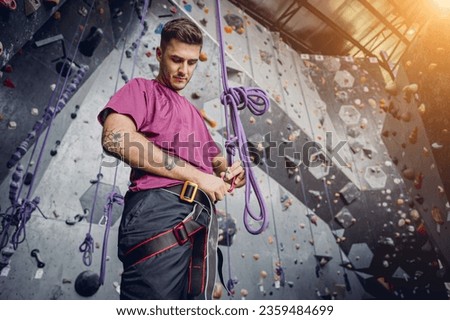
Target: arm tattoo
{"points": [[112, 141], [169, 162]]}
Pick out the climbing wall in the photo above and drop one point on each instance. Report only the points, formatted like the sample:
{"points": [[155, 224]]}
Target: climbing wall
{"points": [[30, 77], [330, 113], [20, 21], [343, 222]]}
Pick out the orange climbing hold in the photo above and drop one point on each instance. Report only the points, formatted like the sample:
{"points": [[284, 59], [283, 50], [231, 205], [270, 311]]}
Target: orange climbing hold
{"points": [[240, 30], [436, 213], [228, 29], [203, 56]]}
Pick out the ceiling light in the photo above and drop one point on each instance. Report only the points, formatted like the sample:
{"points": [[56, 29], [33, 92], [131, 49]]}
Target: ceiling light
{"points": [[410, 32]]}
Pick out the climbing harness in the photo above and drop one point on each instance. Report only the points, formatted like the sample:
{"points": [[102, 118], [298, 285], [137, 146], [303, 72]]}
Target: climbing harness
{"points": [[200, 228], [235, 99]]}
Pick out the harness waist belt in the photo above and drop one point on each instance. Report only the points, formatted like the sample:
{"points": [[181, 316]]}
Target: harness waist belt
{"points": [[178, 235], [189, 192]]}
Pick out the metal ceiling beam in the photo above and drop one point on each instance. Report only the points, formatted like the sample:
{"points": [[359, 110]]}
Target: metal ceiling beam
{"points": [[294, 41], [385, 21], [336, 27], [287, 15]]}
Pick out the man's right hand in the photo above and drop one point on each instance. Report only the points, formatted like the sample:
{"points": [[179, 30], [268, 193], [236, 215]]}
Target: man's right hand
{"points": [[213, 186]]}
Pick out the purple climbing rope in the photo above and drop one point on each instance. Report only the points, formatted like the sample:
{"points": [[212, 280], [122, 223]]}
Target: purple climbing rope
{"points": [[87, 246], [235, 99]]}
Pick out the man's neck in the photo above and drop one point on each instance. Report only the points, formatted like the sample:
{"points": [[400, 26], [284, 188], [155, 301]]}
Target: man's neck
{"points": [[158, 79]]}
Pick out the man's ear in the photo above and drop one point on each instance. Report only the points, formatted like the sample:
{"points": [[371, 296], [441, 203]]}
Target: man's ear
{"points": [[158, 54]]}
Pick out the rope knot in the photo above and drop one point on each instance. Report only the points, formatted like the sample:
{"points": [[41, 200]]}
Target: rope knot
{"points": [[255, 99], [87, 248], [114, 197]]}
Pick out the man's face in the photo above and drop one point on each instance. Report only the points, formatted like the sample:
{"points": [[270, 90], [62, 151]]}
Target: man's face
{"points": [[177, 63]]}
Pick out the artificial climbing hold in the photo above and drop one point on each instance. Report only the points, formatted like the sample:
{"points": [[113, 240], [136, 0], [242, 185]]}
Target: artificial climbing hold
{"points": [[52, 2], [391, 88], [12, 125], [413, 136], [28, 179], [203, 56], [87, 283], [409, 173], [77, 218], [35, 254], [54, 151], [212, 123], [418, 179], [9, 83], [9, 4], [414, 214], [406, 116], [91, 42], [234, 21], [73, 115], [228, 29], [195, 95], [200, 4], [217, 292], [437, 216], [422, 109], [432, 66]]}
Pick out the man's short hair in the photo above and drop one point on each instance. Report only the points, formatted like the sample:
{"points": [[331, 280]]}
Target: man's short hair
{"points": [[183, 30]]}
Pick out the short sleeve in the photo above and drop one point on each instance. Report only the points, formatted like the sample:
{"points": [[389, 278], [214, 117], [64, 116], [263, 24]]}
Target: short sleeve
{"points": [[131, 100]]}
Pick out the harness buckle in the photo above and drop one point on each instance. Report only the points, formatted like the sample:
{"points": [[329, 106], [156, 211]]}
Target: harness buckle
{"points": [[191, 188], [180, 233]]}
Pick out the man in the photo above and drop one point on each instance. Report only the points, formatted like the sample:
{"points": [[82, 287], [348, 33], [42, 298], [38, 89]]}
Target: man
{"points": [[177, 173]]}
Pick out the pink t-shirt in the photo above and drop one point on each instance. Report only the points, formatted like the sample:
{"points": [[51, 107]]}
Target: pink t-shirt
{"points": [[169, 121]]}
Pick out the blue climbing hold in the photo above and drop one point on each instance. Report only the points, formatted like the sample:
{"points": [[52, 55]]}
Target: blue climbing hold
{"points": [[159, 28], [188, 7]]}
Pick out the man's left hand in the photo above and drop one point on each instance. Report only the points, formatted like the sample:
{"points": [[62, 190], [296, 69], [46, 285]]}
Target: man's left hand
{"points": [[236, 170]]}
